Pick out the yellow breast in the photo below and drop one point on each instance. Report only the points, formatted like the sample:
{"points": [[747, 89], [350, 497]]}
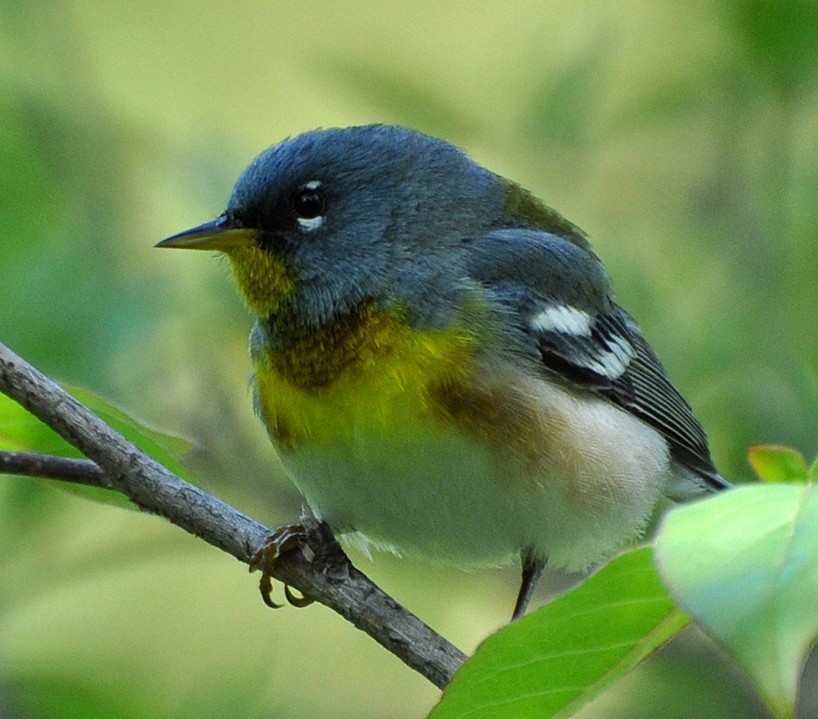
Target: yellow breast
{"points": [[367, 374]]}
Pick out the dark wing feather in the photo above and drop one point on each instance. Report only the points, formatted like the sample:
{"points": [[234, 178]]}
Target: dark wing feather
{"points": [[638, 384], [561, 297]]}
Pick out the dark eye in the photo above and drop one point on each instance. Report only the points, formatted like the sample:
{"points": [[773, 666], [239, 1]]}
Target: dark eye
{"points": [[309, 202]]}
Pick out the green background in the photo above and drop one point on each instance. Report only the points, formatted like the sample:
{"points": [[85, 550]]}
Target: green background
{"points": [[680, 135]]}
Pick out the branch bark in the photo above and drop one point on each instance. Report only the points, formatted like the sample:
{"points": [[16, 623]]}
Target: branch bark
{"points": [[47, 466], [322, 571]]}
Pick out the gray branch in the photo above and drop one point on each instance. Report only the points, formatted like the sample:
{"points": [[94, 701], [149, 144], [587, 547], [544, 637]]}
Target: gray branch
{"points": [[67, 469], [323, 573]]}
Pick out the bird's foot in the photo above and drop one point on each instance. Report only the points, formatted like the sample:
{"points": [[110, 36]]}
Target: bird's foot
{"points": [[284, 539]]}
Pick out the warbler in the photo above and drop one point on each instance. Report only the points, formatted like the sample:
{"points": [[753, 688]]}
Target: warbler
{"points": [[439, 360]]}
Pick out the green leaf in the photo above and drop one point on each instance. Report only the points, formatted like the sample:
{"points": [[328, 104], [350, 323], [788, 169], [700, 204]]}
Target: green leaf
{"points": [[776, 463], [557, 659], [745, 565], [22, 431], [164, 448]]}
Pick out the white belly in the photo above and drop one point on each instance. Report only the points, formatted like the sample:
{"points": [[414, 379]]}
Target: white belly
{"points": [[420, 488]]}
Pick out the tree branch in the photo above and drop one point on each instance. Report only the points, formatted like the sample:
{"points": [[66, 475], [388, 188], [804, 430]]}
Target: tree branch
{"points": [[323, 573]]}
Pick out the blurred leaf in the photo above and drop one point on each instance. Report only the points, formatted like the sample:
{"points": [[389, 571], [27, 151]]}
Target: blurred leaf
{"points": [[775, 463], [655, 107], [557, 659], [29, 175], [561, 109], [745, 565], [69, 697], [781, 37]]}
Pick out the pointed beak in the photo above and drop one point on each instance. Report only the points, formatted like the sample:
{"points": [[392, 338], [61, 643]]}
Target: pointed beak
{"points": [[215, 235]]}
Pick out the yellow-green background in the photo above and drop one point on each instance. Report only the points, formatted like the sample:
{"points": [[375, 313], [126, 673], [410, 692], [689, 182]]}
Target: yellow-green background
{"points": [[681, 135]]}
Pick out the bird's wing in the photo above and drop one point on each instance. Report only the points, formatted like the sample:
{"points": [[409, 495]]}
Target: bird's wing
{"points": [[560, 297]]}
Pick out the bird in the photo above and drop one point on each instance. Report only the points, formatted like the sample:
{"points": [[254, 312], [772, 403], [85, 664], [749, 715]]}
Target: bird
{"points": [[440, 362]]}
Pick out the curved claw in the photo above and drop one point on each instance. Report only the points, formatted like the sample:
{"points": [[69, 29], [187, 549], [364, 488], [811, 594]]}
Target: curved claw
{"points": [[265, 586], [284, 539], [300, 602]]}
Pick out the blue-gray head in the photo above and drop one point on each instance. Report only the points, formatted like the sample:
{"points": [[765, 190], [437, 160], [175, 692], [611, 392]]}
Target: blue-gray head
{"points": [[321, 222]]}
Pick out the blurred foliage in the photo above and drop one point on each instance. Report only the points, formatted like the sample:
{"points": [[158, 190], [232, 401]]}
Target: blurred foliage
{"points": [[774, 463], [681, 136]]}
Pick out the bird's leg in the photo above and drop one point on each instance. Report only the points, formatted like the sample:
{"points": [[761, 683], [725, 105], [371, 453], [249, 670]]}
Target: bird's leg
{"points": [[284, 539], [532, 569]]}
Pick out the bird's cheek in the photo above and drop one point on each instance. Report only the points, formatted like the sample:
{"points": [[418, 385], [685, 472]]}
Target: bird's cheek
{"points": [[262, 279]]}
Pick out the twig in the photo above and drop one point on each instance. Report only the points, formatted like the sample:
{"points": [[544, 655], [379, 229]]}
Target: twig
{"points": [[319, 573], [68, 469]]}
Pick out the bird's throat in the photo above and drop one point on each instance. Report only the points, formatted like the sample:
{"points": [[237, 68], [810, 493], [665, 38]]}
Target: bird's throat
{"points": [[261, 277]]}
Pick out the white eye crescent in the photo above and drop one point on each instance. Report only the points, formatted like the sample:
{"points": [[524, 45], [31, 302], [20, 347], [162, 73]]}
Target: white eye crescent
{"points": [[310, 224], [309, 203]]}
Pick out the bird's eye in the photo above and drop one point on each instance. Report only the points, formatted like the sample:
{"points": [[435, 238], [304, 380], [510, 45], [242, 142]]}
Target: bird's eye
{"points": [[309, 202]]}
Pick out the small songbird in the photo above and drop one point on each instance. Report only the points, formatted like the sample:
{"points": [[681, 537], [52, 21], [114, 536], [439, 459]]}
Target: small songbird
{"points": [[439, 359]]}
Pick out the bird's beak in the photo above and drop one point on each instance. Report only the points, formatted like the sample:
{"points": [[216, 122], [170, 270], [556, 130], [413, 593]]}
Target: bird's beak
{"points": [[215, 235]]}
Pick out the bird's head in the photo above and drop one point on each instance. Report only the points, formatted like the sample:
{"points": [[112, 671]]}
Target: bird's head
{"points": [[332, 218]]}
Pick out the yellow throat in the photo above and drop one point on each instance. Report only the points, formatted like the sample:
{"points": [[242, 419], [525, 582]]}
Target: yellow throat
{"points": [[261, 278]]}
